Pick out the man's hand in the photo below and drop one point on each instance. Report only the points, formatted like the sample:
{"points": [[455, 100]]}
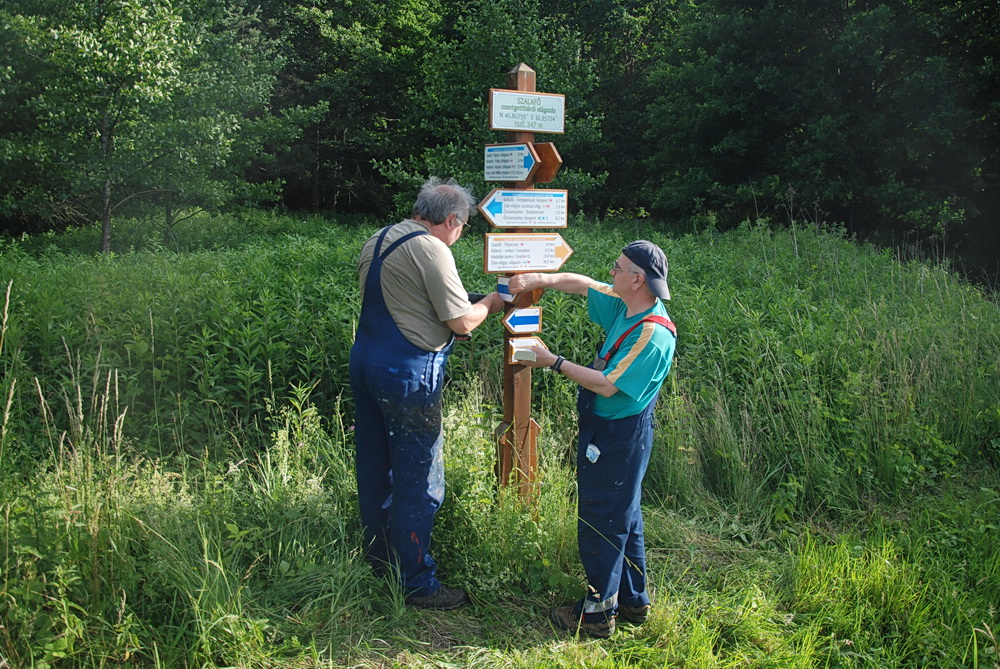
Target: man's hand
{"points": [[494, 302], [585, 376], [543, 358], [564, 282], [522, 283], [490, 304]]}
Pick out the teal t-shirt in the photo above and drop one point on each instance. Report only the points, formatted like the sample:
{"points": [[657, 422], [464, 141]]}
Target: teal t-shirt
{"points": [[643, 361]]}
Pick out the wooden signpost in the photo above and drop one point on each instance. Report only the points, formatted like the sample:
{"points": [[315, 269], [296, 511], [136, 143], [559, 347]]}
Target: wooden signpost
{"points": [[518, 209]]}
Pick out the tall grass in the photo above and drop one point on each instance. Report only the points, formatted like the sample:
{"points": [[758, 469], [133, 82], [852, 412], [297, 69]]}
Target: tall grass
{"points": [[202, 341], [111, 557], [811, 372], [824, 373], [177, 481]]}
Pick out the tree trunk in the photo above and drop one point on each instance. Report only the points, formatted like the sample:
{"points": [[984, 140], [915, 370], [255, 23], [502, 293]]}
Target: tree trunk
{"points": [[106, 217], [315, 174], [106, 191], [168, 229]]}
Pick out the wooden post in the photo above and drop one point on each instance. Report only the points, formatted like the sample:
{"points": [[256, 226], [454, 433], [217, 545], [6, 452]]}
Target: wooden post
{"points": [[517, 435]]}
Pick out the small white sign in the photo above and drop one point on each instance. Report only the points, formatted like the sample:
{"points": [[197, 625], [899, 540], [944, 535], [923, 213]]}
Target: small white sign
{"points": [[524, 354], [520, 348], [526, 111]]}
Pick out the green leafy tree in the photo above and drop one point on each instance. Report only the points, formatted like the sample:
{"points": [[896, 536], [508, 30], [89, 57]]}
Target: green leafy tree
{"points": [[120, 100], [359, 59], [622, 40], [446, 121], [847, 107], [213, 143], [101, 68], [967, 35]]}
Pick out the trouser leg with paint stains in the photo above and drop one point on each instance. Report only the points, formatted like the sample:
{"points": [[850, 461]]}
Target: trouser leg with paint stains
{"points": [[400, 465]]}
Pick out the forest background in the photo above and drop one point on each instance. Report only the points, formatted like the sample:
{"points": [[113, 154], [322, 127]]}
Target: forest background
{"points": [[184, 188], [882, 116]]}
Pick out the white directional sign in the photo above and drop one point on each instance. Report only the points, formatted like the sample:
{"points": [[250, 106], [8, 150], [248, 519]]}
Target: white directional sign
{"points": [[528, 252], [520, 348], [526, 111], [526, 208], [524, 321], [509, 162]]}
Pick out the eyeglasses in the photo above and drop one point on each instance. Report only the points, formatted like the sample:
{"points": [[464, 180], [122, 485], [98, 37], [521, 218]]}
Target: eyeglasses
{"points": [[615, 268]]}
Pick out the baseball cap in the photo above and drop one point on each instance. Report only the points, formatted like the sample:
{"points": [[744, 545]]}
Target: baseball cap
{"points": [[650, 258]]}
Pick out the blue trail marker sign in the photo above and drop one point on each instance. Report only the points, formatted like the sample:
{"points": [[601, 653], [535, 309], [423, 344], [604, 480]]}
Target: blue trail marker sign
{"points": [[524, 321], [509, 162]]}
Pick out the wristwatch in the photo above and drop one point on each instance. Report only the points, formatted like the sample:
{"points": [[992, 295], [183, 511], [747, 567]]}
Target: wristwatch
{"points": [[557, 365]]}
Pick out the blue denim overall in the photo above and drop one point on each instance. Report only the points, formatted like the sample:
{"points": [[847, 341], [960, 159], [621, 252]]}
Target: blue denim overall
{"points": [[398, 437], [610, 529]]}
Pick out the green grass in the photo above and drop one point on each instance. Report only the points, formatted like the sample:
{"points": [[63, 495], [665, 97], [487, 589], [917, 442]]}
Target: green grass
{"points": [[177, 486], [109, 558]]}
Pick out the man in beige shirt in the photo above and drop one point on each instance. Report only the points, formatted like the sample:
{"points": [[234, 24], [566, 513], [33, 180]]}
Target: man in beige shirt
{"points": [[413, 305]]}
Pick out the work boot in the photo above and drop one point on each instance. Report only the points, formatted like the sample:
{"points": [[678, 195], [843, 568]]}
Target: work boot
{"points": [[444, 599], [563, 617], [636, 615]]}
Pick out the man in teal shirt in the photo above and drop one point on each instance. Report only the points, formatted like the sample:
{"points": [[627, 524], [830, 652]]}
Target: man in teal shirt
{"points": [[617, 395]]}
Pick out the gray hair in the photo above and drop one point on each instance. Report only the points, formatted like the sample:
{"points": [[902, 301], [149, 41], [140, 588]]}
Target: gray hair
{"points": [[439, 198]]}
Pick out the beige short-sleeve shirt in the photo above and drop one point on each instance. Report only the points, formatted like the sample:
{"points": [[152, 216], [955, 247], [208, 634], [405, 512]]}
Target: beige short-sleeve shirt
{"points": [[420, 285]]}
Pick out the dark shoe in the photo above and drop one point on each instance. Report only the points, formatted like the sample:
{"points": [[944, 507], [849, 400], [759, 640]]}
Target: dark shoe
{"points": [[636, 615], [564, 618], [445, 599]]}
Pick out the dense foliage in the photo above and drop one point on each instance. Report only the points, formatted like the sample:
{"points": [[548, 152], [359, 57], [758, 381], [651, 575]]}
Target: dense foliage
{"points": [[803, 343], [176, 478], [881, 115]]}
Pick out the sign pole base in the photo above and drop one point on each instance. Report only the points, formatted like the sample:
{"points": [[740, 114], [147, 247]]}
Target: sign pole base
{"points": [[517, 458]]}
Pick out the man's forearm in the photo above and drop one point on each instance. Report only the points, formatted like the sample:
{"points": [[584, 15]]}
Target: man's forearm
{"points": [[589, 378], [491, 303], [565, 282]]}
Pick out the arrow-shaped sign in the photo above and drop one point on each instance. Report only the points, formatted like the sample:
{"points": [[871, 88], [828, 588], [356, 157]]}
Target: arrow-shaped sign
{"points": [[528, 252], [526, 208], [509, 162], [524, 321]]}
